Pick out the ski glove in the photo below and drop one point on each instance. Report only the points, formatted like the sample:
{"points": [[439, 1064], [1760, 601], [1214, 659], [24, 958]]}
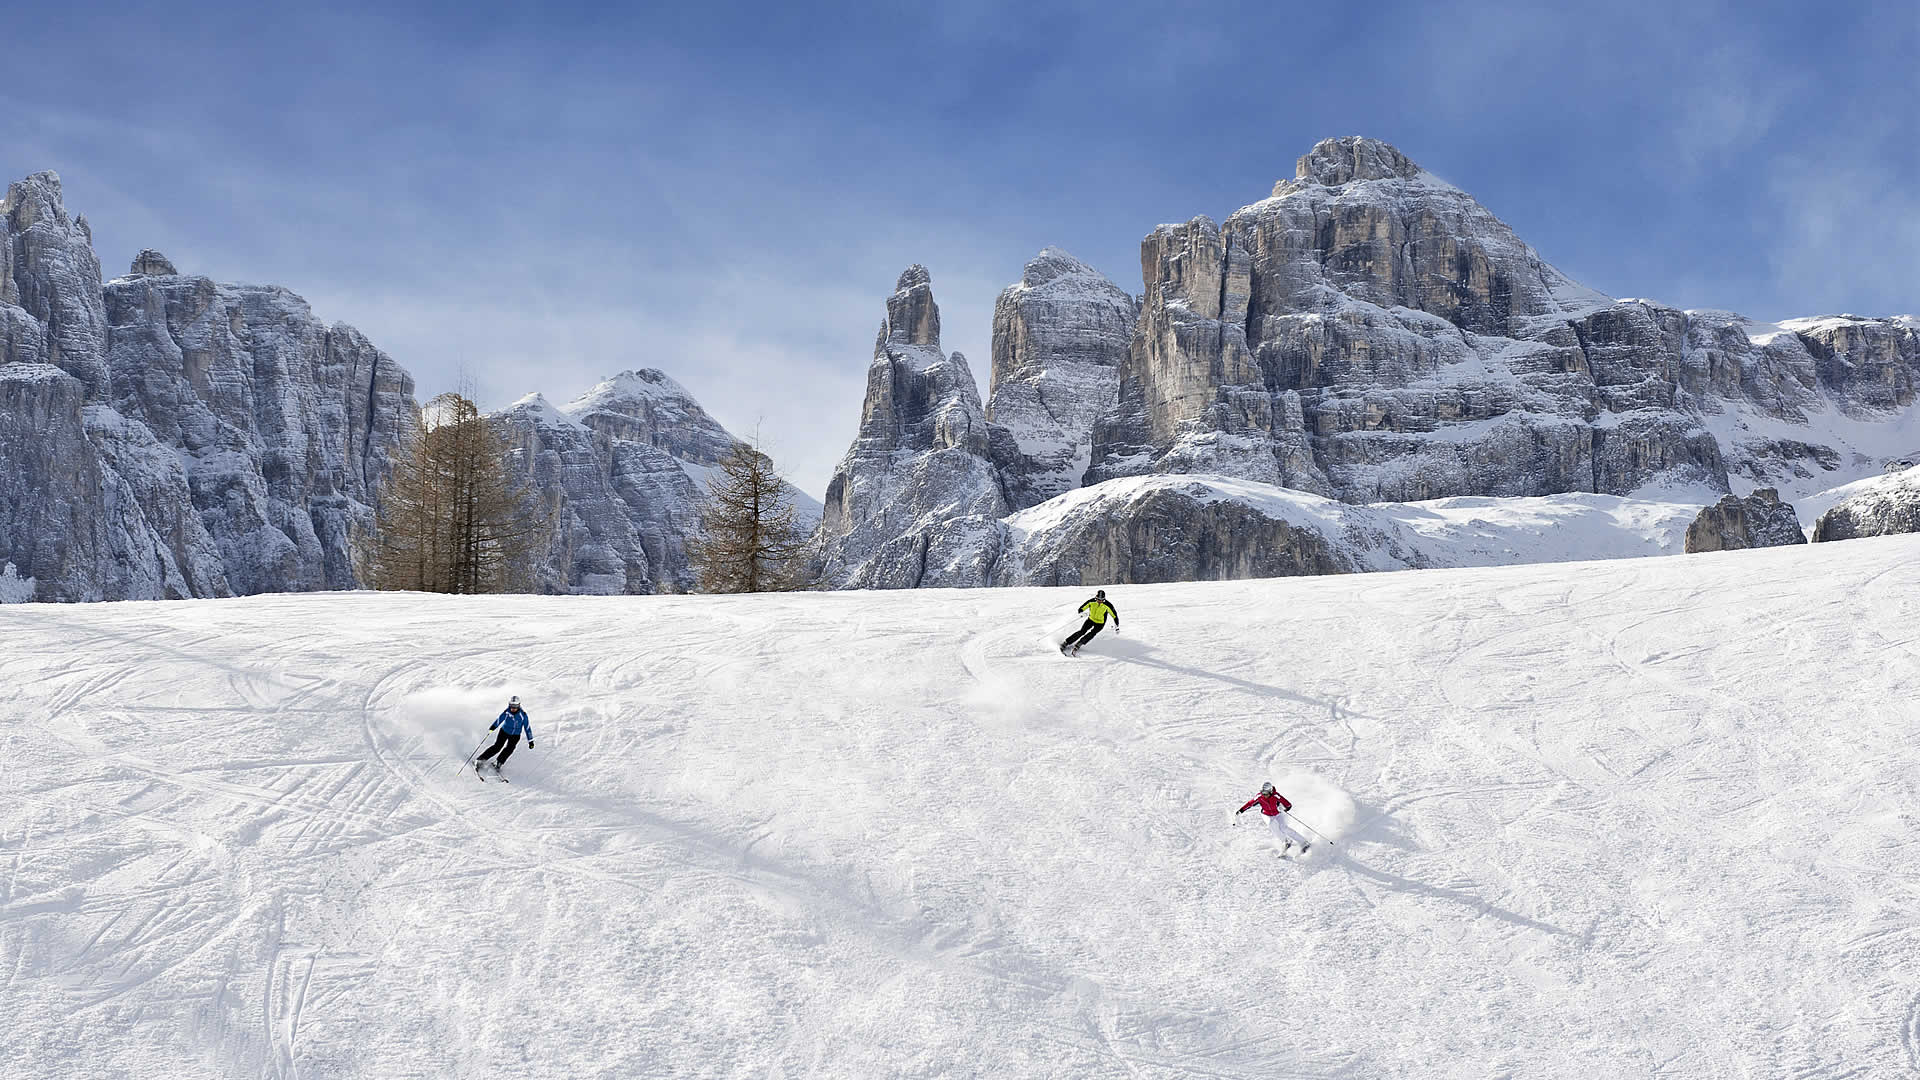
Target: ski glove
{"points": [[529, 744]]}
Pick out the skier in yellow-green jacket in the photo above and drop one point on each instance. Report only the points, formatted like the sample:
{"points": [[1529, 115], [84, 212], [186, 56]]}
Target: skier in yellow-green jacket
{"points": [[1097, 611]]}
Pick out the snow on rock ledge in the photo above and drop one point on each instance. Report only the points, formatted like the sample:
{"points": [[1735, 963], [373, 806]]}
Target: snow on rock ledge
{"points": [[1878, 507], [1209, 527]]}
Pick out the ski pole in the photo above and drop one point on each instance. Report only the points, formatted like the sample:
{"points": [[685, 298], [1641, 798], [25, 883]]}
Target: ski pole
{"points": [[1309, 828], [475, 750]]}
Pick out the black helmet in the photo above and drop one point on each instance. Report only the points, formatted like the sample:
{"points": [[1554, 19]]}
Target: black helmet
{"points": [[1099, 594]]}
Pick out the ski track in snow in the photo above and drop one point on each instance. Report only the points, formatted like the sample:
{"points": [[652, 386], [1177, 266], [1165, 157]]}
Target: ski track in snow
{"points": [[1645, 818]]}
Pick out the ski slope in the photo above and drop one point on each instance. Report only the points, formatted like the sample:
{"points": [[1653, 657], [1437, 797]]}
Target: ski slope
{"points": [[1653, 817]]}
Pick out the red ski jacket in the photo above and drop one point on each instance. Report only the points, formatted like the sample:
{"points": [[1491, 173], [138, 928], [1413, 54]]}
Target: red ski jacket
{"points": [[1270, 805]]}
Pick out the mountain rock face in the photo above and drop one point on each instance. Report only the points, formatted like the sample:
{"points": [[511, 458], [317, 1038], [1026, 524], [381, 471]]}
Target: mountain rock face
{"points": [[1060, 336], [1890, 504], [1192, 527], [285, 426], [68, 520], [50, 273], [622, 471], [918, 482], [592, 546], [168, 436], [1734, 523], [1368, 333], [1372, 333], [1195, 528]]}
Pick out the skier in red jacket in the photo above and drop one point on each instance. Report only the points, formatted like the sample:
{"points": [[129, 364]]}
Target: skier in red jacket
{"points": [[1271, 803]]}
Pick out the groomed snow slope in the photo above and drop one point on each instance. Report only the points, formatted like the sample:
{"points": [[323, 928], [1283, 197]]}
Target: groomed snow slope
{"points": [[1641, 818]]}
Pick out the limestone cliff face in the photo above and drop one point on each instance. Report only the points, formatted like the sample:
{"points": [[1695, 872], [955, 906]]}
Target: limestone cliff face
{"points": [[1734, 523], [920, 465], [1372, 333], [209, 439], [285, 426], [67, 520], [50, 272], [1060, 335], [1369, 333], [592, 544]]}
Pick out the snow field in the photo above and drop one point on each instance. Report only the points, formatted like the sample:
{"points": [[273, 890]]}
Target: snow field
{"points": [[1638, 818]]}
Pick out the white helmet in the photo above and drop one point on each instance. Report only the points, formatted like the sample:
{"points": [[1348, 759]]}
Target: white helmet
{"points": [[1266, 788], [514, 700]]}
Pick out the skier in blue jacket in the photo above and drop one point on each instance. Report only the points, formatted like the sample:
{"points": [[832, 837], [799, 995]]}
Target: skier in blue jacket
{"points": [[511, 725]]}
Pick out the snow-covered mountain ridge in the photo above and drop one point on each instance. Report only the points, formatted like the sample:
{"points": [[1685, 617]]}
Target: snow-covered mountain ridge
{"points": [[1372, 334], [163, 435], [1633, 818]]}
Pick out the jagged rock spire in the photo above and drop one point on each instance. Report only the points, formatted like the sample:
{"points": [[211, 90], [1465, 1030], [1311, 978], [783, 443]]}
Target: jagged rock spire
{"points": [[151, 263], [918, 466], [53, 274], [912, 316]]}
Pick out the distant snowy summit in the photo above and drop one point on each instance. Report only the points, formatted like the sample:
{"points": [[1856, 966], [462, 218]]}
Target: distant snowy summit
{"points": [[622, 470], [1369, 333]]}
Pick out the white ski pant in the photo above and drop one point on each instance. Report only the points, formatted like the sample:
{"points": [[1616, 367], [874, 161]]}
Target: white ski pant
{"points": [[1284, 832]]}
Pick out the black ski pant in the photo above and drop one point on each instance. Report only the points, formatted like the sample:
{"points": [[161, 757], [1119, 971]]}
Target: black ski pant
{"points": [[1084, 634], [503, 746]]}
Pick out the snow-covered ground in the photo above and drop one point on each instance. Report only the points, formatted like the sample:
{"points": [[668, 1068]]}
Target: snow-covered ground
{"points": [[1650, 817]]}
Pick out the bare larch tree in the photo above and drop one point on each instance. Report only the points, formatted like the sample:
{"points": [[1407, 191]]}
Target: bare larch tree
{"points": [[749, 540], [453, 519]]}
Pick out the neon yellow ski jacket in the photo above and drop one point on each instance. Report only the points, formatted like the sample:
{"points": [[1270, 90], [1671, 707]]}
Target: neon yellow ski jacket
{"points": [[1098, 610]]}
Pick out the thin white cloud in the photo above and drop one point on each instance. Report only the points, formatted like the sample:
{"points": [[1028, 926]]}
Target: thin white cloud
{"points": [[1847, 230]]}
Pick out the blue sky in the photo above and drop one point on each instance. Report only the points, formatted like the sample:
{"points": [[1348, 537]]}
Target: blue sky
{"points": [[541, 195]]}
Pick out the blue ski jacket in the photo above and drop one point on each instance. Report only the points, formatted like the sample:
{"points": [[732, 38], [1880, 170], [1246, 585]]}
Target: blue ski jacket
{"points": [[514, 723]]}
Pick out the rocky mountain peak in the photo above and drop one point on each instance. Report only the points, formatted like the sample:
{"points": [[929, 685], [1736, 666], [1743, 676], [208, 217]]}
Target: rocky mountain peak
{"points": [[204, 440], [912, 316], [537, 409], [1333, 162], [150, 263], [33, 199], [48, 269], [1052, 264], [629, 391]]}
